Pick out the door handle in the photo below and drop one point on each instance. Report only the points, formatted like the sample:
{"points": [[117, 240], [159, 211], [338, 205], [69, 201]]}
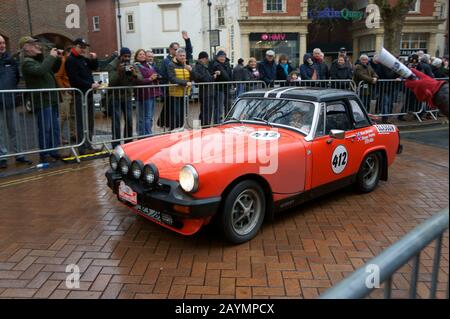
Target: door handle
{"points": [[351, 137]]}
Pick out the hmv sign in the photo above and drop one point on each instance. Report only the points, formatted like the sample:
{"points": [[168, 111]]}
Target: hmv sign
{"points": [[273, 36]]}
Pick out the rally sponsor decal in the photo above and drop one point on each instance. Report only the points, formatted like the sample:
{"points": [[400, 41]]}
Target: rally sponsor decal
{"points": [[239, 130], [339, 159], [265, 135], [366, 136], [385, 128]]}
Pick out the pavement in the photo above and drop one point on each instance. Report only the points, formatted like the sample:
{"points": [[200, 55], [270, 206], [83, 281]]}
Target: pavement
{"points": [[67, 215]]}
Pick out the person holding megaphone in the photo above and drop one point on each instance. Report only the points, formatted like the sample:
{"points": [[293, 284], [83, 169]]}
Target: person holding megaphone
{"points": [[425, 88]]}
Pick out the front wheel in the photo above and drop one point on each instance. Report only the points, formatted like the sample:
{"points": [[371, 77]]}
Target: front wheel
{"points": [[369, 173], [243, 212]]}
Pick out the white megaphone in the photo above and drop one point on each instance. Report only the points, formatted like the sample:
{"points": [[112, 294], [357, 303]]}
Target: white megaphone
{"points": [[391, 62]]}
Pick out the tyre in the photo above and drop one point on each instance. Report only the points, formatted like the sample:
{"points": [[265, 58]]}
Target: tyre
{"points": [[369, 173], [243, 212]]}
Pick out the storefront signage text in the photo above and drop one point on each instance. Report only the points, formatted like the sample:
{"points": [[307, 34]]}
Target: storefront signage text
{"points": [[331, 13], [273, 37]]}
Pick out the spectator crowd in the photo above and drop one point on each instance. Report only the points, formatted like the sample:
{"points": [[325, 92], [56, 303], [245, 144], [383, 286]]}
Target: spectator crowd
{"points": [[138, 79]]}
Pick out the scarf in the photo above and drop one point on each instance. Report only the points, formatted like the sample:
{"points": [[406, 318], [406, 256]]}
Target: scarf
{"points": [[285, 68], [74, 52]]}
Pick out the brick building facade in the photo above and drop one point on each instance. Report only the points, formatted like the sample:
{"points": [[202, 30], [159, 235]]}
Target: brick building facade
{"points": [[102, 26], [425, 28], [40, 18], [294, 27]]}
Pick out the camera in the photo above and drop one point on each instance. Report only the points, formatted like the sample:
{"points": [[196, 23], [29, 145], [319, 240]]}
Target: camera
{"points": [[128, 68]]}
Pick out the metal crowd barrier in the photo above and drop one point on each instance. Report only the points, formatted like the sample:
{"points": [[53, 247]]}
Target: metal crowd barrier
{"points": [[111, 115], [40, 121], [133, 112], [211, 102], [395, 257], [392, 98]]}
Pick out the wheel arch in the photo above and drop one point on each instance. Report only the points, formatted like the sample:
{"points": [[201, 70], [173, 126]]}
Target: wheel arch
{"points": [[269, 214], [384, 168]]}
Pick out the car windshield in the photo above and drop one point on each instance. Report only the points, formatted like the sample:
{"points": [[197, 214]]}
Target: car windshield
{"points": [[297, 114]]}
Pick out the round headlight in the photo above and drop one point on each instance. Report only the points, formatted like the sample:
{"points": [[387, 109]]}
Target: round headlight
{"points": [[189, 179], [124, 166], [119, 151], [114, 161], [150, 174], [136, 169]]}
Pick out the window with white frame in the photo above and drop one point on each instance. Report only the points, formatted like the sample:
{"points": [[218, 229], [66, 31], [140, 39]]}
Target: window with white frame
{"points": [[415, 7], [274, 5], [130, 22], [220, 17], [416, 41], [96, 23]]}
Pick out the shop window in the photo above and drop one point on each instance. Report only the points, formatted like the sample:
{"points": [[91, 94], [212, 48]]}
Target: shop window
{"points": [[413, 42], [274, 5], [281, 43]]}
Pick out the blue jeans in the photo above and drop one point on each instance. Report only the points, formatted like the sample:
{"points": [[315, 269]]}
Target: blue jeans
{"points": [[119, 107], [49, 131], [8, 131], [240, 88], [386, 106], [145, 110]]}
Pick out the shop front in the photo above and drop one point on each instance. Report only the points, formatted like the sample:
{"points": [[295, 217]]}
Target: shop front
{"points": [[281, 43]]}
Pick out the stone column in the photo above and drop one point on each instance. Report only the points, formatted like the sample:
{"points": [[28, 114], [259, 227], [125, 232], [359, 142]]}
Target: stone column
{"points": [[432, 45], [379, 42], [303, 47], [245, 48]]}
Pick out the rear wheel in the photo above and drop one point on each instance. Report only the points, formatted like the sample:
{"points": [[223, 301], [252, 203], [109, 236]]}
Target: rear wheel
{"points": [[369, 173], [243, 212]]}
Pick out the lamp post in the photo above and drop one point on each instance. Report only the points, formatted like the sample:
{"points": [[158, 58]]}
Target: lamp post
{"points": [[210, 26], [30, 24], [119, 16]]}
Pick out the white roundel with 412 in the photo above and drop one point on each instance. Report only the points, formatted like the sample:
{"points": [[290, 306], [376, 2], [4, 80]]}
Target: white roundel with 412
{"points": [[339, 159]]}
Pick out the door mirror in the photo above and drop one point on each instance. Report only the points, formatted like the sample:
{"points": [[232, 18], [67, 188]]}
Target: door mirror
{"points": [[337, 134]]}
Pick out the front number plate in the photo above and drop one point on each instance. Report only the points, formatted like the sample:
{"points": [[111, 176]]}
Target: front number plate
{"points": [[127, 194]]}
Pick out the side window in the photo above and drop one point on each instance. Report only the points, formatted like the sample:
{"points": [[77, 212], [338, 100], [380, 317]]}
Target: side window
{"points": [[320, 131], [358, 115], [337, 118]]}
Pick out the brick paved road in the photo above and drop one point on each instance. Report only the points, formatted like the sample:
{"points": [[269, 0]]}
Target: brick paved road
{"points": [[70, 216]]}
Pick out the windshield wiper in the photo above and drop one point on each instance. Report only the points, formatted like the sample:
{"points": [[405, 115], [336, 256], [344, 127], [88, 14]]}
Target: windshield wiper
{"points": [[258, 119], [233, 119]]}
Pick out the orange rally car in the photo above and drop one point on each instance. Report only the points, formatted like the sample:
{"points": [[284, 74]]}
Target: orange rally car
{"points": [[276, 149]]}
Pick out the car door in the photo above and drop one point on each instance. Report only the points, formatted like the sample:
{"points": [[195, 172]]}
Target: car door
{"points": [[335, 159]]}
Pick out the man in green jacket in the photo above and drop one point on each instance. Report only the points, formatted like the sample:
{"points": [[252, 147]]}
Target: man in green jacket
{"points": [[364, 73], [121, 73], [38, 72]]}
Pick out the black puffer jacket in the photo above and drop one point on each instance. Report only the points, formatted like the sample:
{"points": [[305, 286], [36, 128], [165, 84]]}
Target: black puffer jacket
{"points": [[341, 72], [79, 70], [441, 99], [281, 75], [226, 73], [9, 78]]}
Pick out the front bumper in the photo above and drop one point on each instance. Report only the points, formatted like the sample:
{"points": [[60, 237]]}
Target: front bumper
{"points": [[166, 198]]}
